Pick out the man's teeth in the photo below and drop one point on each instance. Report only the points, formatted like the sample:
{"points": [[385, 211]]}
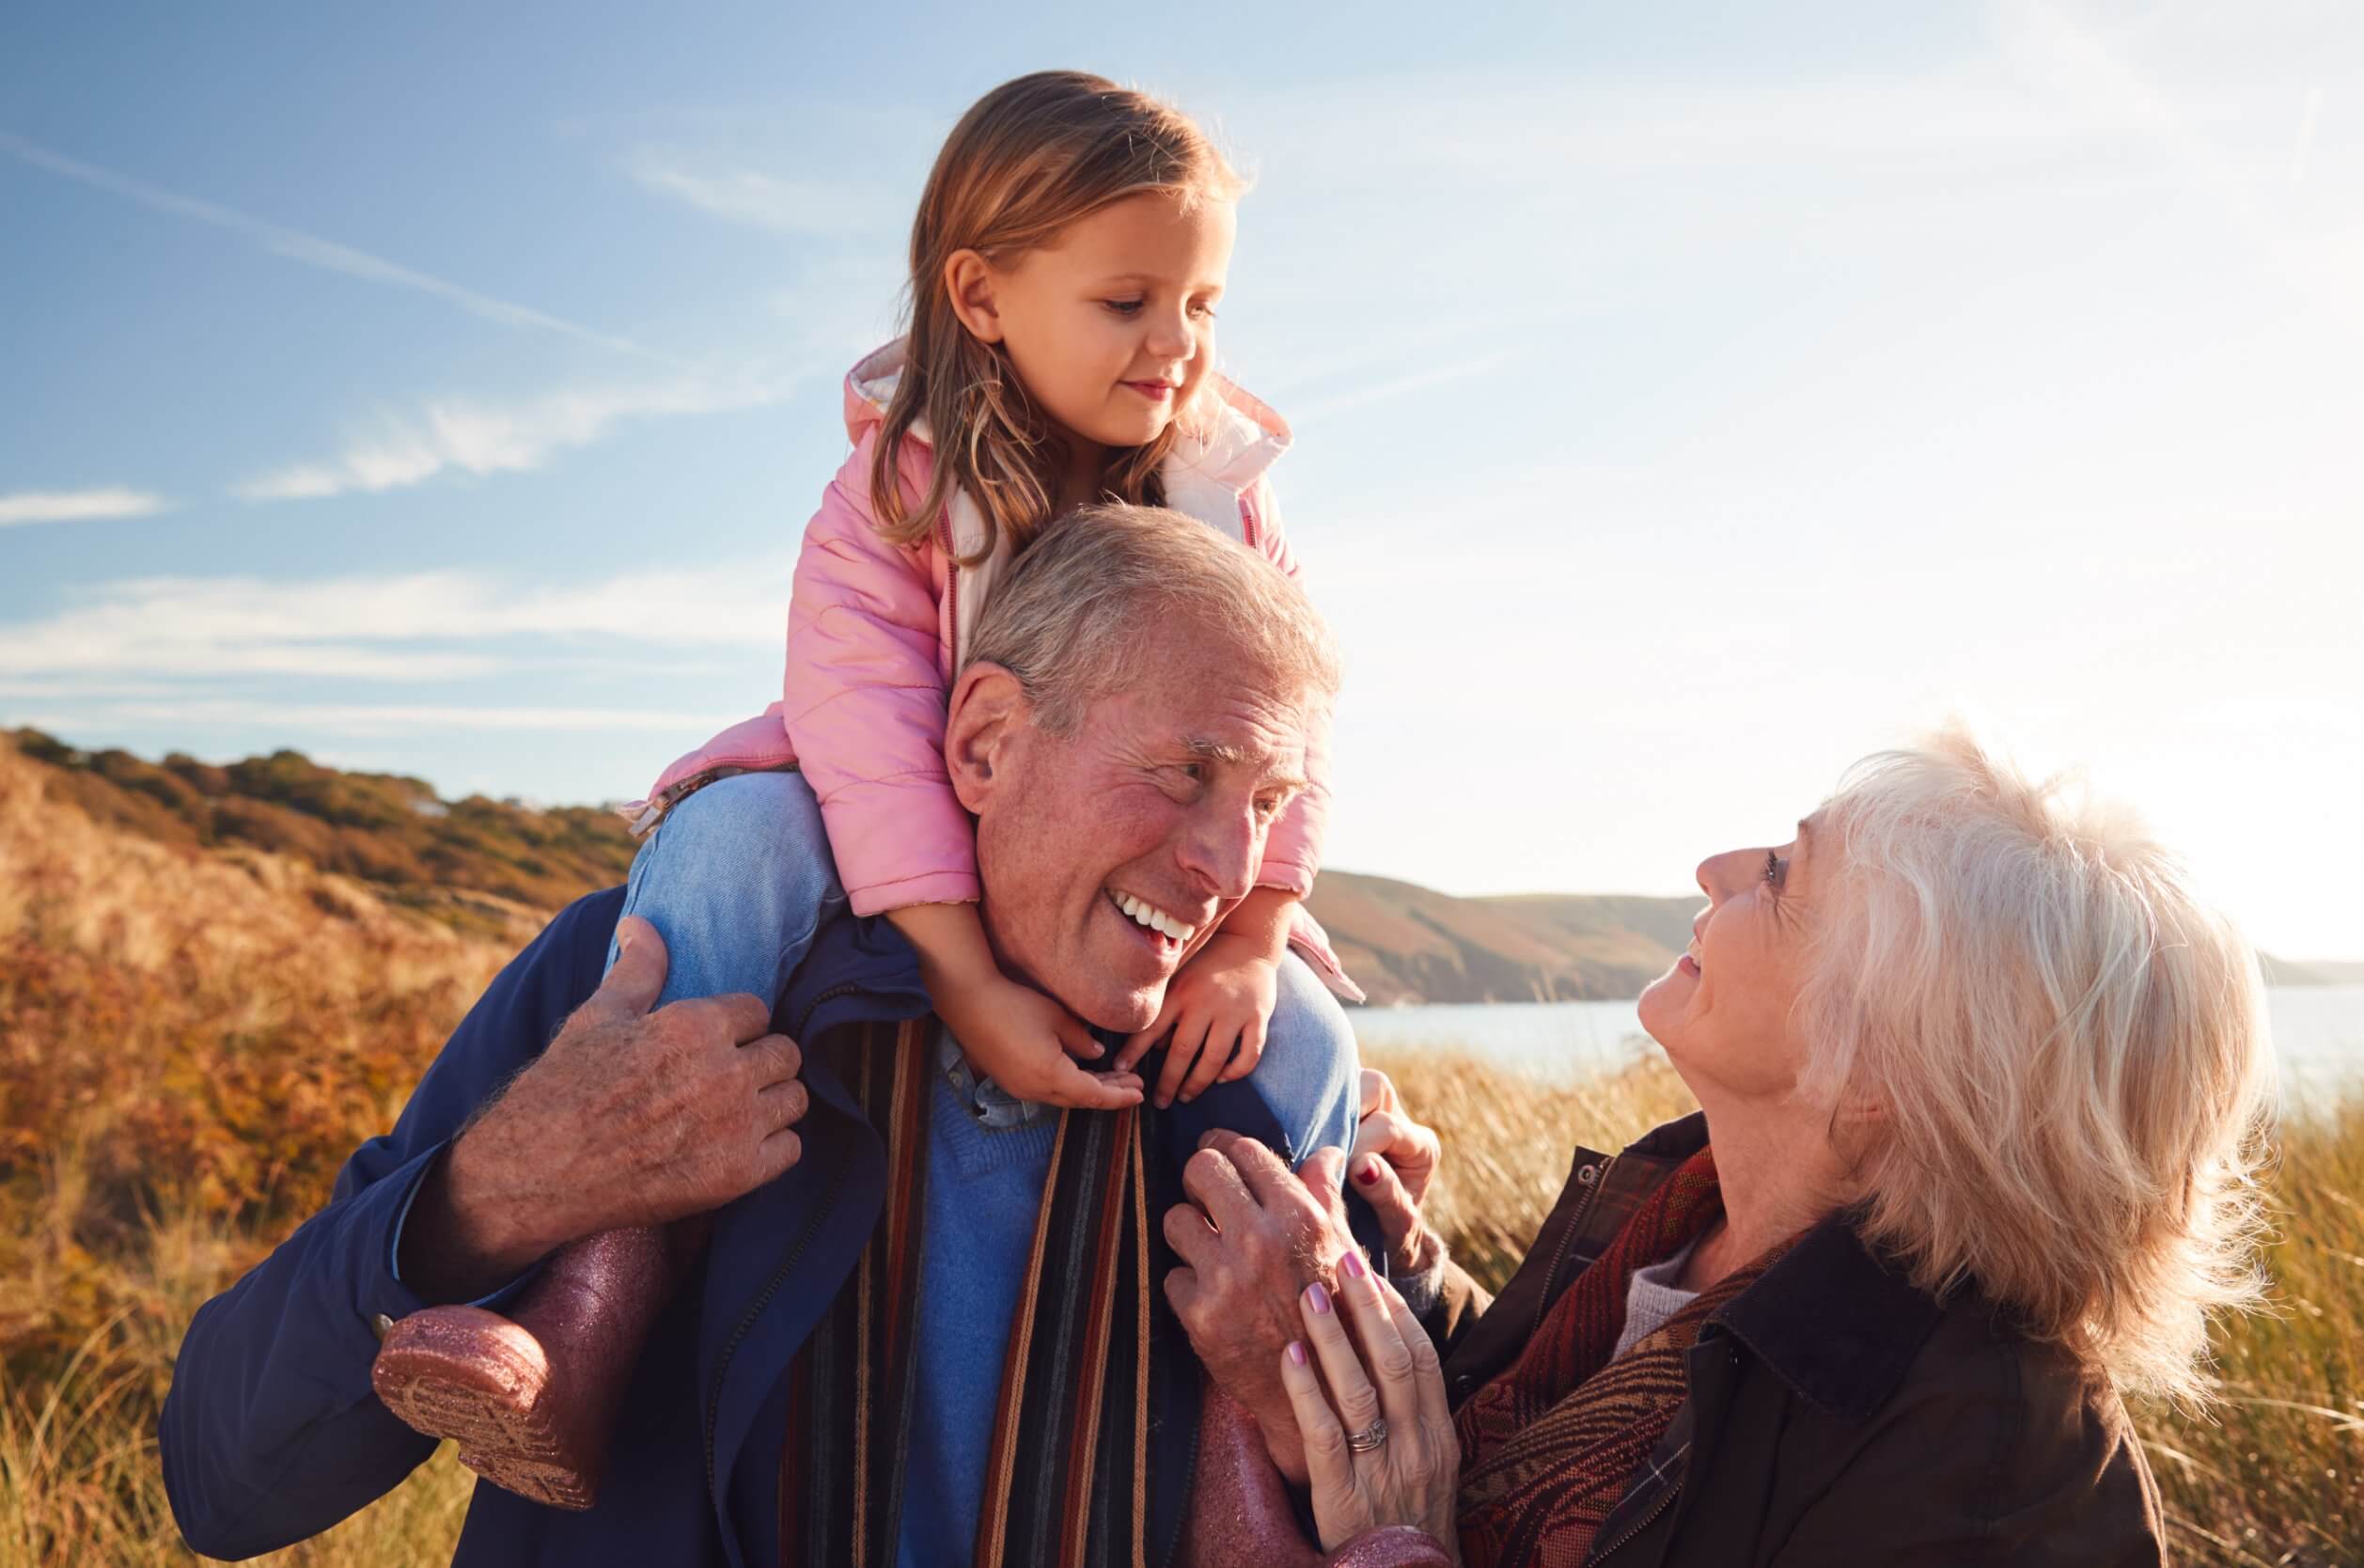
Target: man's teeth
{"points": [[1156, 919]]}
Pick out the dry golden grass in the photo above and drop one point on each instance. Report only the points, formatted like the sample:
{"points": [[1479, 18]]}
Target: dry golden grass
{"points": [[191, 1042]]}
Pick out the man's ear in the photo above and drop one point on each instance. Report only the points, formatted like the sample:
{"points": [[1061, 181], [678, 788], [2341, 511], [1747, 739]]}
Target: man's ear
{"points": [[988, 714], [968, 284]]}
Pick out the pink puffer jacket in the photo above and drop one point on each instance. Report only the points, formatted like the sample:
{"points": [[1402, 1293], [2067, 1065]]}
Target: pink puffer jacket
{"points": [[876, 631]]}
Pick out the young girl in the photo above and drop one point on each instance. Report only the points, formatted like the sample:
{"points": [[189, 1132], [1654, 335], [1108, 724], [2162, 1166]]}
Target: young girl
{"points": [[1067, 258]]}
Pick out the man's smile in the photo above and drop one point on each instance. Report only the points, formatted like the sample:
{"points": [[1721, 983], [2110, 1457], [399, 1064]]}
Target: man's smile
{"points": [[1170, 932]]}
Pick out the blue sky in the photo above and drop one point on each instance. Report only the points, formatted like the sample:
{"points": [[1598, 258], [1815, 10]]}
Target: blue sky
{"points": [[1689, 399]]}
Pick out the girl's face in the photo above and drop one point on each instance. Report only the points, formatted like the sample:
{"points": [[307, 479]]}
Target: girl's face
{"points": [[1111, 328]]}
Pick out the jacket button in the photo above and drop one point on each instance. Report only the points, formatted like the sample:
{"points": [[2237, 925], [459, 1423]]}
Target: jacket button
{"points": [[381, 1325], [1464, 1384]]}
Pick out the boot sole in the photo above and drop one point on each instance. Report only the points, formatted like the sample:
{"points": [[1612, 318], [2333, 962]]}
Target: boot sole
{"points": [[476, 1378]]}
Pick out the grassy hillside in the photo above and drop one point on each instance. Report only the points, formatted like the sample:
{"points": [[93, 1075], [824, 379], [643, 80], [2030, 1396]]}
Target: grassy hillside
{"points": [[193, 1038], [482, 865], [474, 864]]}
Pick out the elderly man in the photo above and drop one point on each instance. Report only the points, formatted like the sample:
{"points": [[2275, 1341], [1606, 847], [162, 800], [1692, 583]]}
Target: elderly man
{"points": [[942, 1338]]}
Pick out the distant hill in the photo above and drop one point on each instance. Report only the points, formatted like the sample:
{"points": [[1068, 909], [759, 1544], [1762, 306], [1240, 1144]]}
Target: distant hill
{"points": [[470, 863], [2280, 971], [1406, 943], [481, 865]]}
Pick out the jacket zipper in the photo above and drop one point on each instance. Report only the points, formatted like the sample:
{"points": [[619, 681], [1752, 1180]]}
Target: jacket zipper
{"points": [[951, 584], [1599, 1175], [1666, 1500], [779, 1276]]}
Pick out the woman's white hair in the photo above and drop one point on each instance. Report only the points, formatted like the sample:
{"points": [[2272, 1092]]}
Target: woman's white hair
{"points": [[2063, 1048], [1091, 606]]}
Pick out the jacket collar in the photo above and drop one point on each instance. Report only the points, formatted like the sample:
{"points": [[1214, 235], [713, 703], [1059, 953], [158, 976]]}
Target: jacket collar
{"points": [[1236, 438], [1832, 1320], [855, 968]]}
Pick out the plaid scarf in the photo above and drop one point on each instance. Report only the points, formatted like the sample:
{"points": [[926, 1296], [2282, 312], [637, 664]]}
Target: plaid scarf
{"points": [[1549, 1447], [1069, 1478]]}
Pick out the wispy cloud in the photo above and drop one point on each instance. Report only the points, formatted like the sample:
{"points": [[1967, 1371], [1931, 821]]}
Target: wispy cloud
{"points": [[426, 626], [312, 250], [740, 194], [280, 720], [479, 438], [1416, 381], [76, 505]]}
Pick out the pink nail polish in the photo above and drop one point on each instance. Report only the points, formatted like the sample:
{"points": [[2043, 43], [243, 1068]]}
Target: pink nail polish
{"points": [[1352, 1262], [1320, 1297], [1371, 1172], [1296, 1351]]}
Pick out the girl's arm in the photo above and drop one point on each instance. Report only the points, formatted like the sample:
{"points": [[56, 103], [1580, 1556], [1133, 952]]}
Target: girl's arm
{"points": [[1292, 853], [1258, 926], [864, 709]]}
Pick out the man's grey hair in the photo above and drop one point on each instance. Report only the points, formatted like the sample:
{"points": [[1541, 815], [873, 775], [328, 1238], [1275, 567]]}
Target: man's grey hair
{"points": [[1090, 607]]}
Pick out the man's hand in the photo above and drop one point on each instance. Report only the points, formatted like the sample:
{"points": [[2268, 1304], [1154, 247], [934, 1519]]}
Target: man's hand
{"points": [[630, 1118], [1251, 1238]]}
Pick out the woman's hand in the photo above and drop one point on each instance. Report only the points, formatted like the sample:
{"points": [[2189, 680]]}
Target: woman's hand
{"points": [[1385, 1454], [1393, 1160]]}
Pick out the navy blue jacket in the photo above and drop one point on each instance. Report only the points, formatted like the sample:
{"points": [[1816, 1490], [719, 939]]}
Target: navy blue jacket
{"points": [[271, 1433]]}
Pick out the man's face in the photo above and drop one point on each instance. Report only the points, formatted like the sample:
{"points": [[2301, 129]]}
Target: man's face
{"points": [[1152, 814]]}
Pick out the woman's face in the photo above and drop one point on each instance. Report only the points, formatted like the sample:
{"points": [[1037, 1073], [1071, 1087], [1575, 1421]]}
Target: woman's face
{"points": [[1723, 1011]]}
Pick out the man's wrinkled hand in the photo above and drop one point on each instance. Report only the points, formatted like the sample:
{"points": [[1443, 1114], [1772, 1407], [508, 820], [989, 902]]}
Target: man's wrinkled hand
{"points": [[630, 1118], [1253, 1235]]}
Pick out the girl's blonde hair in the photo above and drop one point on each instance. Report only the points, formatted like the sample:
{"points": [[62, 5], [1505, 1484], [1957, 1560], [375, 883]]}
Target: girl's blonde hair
{"points": [[2067, 1047], [1029, 158]]}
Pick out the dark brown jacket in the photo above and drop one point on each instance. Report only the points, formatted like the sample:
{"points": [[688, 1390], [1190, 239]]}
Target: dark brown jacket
{"points": [[1836, 1415]]}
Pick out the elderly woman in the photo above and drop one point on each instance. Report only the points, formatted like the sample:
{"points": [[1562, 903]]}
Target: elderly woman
{"points": [[1982, 1082]]}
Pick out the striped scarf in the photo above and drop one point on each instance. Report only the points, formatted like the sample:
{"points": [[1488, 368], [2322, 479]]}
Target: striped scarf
{"points": [[1069, 1478], [1550, 1445]]}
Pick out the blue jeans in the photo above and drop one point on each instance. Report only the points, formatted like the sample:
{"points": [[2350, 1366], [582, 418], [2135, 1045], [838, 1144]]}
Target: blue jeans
{"points": [[738, 877]]}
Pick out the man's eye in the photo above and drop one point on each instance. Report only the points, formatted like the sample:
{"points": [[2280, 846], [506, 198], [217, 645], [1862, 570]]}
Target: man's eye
{"points": [[1123, 307]]}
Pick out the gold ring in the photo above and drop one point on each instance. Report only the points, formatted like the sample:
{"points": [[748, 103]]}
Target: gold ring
{"points": [[1373, 1437]]}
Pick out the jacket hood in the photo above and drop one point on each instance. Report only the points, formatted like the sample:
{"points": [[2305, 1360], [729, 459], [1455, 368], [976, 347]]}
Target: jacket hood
{"points": [[1233, 438]]}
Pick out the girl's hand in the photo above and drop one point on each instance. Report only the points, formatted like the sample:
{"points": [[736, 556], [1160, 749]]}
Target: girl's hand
{"points": [[1023, 1041], [1393, 1160], [1217, 1009], [1016, 1036], [1375, 1455]]}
